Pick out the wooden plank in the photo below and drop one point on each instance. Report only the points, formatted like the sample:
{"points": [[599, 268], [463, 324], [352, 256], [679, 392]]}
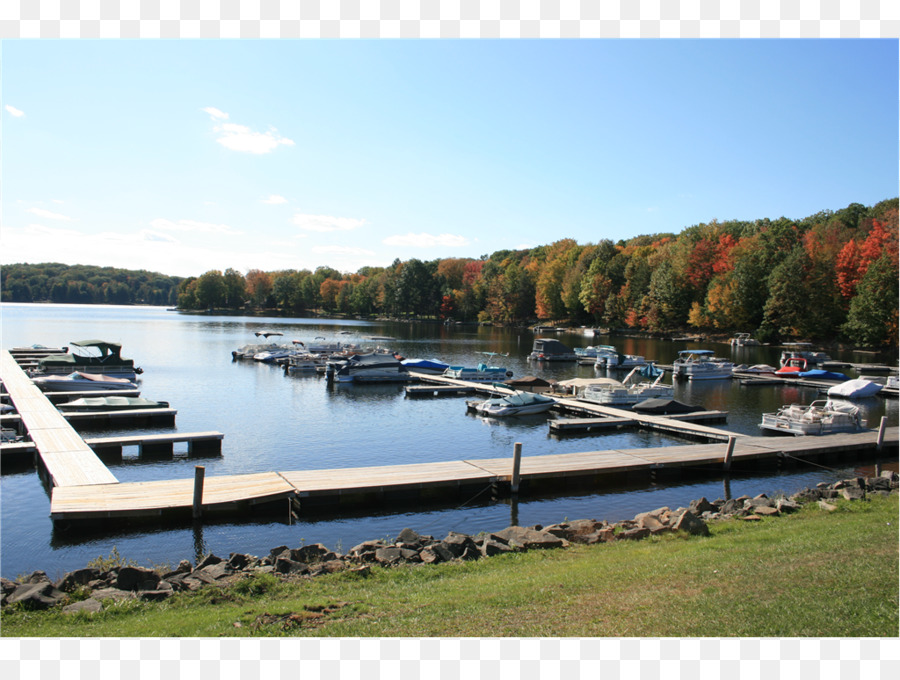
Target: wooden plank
{"points": [[134, 440]]}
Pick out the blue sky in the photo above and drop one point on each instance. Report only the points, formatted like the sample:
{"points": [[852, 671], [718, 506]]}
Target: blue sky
{"points": [[186, 156]]}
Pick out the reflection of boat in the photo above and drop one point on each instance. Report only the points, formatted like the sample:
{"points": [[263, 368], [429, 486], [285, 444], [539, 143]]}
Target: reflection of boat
{"points": [[700, 364], [82, 382], [367, 368], [427, 366], [545, 349], [516, 404], [855, 389], [90, 356], [819, 417], [481, 373], [744, 340], [629, 391], [111, 404]]}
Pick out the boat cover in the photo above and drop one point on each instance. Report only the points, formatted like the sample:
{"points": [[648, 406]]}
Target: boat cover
{"points": [[855, 389], [664, 406], [819, 374]]}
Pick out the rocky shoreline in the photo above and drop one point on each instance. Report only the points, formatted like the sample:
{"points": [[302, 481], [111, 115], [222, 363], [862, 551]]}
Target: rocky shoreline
{"points": [[90, 589]]}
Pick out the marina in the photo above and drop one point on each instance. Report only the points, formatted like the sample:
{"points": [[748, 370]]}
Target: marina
{"points": [[338, 448]]}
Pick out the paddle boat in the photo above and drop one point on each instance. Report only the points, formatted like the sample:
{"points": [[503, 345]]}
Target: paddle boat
{"points": [[818, 418], [700, 364], [629, 392], [114, 403], [481, 373]]}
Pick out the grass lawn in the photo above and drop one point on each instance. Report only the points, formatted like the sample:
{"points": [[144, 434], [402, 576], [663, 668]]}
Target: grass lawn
{"points": [[814, 573]]}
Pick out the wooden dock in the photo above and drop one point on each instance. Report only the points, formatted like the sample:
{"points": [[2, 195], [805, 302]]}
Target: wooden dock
{"points": [[573, 425]]}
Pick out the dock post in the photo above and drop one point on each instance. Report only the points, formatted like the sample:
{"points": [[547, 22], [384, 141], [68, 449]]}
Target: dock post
{"points": [[729, 451], [517, 463], [199, 472], [880, 443]]}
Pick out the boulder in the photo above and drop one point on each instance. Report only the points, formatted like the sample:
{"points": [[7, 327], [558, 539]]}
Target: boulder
{"points": [[315, 552], [853, 493], [458, 544], [827, 507], [490, 547], [153, 595], [112, 594], [766, 511], [785, 505], [328, 567], [212, 572], [701, 505], [208, 560], [284, 565], [90, 605], [576, 529], [689, 522], [604, 535], [41, 595], [634, 534], [238, 561], [408, 536], [184, 567], [649, 522], [137, 578], [389, 555], [529, 539], [878, 484], [436, 553], [79, 577]]}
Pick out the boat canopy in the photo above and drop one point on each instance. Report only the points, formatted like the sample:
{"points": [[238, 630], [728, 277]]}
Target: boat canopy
{"points": [[106, 349], [698, 352], [550, 346]]}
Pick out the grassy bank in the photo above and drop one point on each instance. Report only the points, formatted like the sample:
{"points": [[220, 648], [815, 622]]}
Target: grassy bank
{"points": [[813, 573]]}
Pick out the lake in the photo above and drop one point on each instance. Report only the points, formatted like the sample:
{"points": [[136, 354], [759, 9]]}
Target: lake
{"points": [[273, 421]]}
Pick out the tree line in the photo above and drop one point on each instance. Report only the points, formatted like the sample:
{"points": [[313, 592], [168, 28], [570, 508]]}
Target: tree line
{"points": [[832, 275]]}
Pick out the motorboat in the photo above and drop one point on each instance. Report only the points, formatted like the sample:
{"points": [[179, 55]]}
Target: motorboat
{"points": [[701, 364], [306, 363], [546, 349], [744, 340], [271, 356], [616, 360], [89, 356], [82, 382], [115, 403], [593, 351], [818, 418], [860, 388], [792, 367], [756, 369], [663, 407], [373, 367], [629, 391], [821, 374], [803, 350], [427, 366], [481, 373], [892, 382], [267, 334], [515, 404]]}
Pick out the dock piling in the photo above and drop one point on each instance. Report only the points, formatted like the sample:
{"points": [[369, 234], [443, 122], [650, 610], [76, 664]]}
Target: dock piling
{"points": [[517, 464], [729, 451], [879, 444], [199, 472]]}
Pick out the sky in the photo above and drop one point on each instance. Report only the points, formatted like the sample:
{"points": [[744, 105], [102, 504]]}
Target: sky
{"points": [[187, 156]]}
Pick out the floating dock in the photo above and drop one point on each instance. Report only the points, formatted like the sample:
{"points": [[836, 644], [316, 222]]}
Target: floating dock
{"points": [[84, 489]]}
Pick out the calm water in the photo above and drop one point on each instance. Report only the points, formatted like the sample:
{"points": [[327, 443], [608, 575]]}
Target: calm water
{"points": [[274, 421]]}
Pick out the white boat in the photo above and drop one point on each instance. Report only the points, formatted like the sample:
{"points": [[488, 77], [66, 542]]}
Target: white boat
{"points": [[271, 356], [306, 363], [546, 349], [82, 382], [630, 391], [744, 340], [482, 373], [700, 364], [802, 350], [267, 334], [619, 361], [860, 388], [819, 417], [756, 369], [516, 404], [111, 404], [594, 353], [892, 382], [367, 368]]}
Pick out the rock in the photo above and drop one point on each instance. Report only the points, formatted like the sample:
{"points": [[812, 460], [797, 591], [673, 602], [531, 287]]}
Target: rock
{"points": [[490, 547], [827, 507], [288, 566], [208, 560], [649, 522], [315, 552], [79, 577], [576, 529], [112, 594], [90, 605], [701, 505], [853, 493], [529, 539], [458, 543], [40, 595], [634, 534], [238, 561], [766, 511], [732, 506], [137, 578], [36, 577], [807, 495], [408, 536], [785, 505], [604, 535], [436, 553], [753, 504], [184, 567], [153, 595], [878, 484], [212, 572], [690, 523], [329, 567], [389, 555]]}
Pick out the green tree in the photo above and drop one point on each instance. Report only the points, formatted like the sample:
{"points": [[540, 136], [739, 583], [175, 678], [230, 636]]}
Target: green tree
{"points": [[210, 290], [872, 319]]}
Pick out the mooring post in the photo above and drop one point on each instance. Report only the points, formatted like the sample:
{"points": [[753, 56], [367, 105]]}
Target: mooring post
{"points": [[517, 462], [729, 451], [880, 443], [199, 472]]}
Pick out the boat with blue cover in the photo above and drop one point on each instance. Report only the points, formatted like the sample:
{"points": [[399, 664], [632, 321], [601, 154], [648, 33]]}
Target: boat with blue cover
{"points": [[481, 373]]}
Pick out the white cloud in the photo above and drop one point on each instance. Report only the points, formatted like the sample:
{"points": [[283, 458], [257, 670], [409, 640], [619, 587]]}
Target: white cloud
{"points": [[241, 138], [426, 240], [193, 226], [215, 113], [13, 111], [274, 199], [40, 212], [341, 250], [326, 223]]}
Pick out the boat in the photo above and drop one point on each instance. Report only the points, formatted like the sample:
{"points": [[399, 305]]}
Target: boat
{"points": [[481, 373], [110, 404], [860, 388], [803, 350], [820, 374], [373, 367], [756, 369], [892, 382], [701, 364], [744, 340], [306, 363], [818, 418], [427, 366], [546, 349], [792, 367], [271, 356], [267, 334], [616, 360], [82, 382], [529, 383], [662, 407], [593, 351], [89, 356], [516, 404], [628, 392]]}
